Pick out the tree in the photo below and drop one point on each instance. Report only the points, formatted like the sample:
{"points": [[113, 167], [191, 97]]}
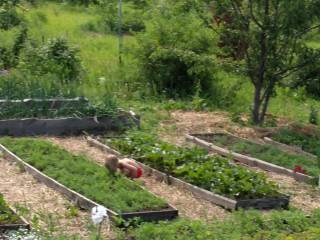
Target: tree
{"points": [[274, 32]]}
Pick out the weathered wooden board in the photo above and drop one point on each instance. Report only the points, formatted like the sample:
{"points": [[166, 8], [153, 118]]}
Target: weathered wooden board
{"points": [[82, 201], [22, 225], [250, 161], [200, 192]]}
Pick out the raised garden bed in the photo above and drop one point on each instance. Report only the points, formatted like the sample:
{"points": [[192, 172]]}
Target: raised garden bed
{"points": [[249, 153], [84, 182], [58, 117], [208, 177], [9, 219], [297, 140]]}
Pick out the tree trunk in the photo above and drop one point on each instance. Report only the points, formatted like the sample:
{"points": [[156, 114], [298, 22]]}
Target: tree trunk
{"points": [[256, 105]]}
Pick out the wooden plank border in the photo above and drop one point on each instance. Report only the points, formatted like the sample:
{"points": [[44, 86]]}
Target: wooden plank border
{"points": [[67, 126], [288, 148], [23, 225], [250, 161], [82, 201], [217, 199]]}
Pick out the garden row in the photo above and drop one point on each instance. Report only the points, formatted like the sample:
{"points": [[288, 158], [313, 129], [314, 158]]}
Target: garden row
{"points": [[60, 117], [288, 156], [211, 177], [84, 182]]}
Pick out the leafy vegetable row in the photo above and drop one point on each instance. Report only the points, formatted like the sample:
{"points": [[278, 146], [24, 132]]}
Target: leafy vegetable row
{"points": [[251, 225], [268, 153], [84, 176], [6, 215], [196, 167]]}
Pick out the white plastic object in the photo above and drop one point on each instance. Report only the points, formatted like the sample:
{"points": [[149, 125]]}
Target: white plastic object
{"points": [[98, 213]]}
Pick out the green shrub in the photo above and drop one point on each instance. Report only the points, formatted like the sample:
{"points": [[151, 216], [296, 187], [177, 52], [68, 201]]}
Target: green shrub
{"points": [[174, 58], [56, 57], [313, 117], [6, 215]]}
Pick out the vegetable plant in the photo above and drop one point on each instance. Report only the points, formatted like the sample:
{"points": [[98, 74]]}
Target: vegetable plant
{"points": [[84, 176], [195, 166]]}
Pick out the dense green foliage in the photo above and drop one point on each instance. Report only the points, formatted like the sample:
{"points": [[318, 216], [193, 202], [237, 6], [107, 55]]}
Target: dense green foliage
{"points": [[267, 153], [84, 176], [308, 143], [287, 225], [173, 58], [6, 215], [196, 167]]}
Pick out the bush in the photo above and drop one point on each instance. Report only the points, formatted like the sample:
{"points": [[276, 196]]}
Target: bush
{"points": [[56, 58], [313, 118], [173, 57]]}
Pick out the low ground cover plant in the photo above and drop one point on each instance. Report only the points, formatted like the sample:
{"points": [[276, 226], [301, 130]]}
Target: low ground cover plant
{"points": [[6, 215], [84, 176], [213, 173], [251, 225], [306, 142], [267, 153]]}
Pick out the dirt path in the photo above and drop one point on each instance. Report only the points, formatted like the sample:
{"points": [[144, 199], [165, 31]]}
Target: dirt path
{"points": [[303, 196], [188, 205], [40, 204]]}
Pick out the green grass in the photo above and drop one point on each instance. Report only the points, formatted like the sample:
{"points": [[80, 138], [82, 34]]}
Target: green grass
{"points": [[267, 153], [84, 176], [306, 142], [6, 215], [196, 167]]}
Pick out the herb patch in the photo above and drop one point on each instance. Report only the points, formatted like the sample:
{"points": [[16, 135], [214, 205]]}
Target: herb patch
{"points": [[306, 142], [84, 176], [193, 165], [268, 153]]}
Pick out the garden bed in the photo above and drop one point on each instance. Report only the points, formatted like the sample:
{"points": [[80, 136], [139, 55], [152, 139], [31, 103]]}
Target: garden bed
{"points": [[9, 219], [58, 117], [272, 158], [297, 140], [199, 173], [84, 182]]}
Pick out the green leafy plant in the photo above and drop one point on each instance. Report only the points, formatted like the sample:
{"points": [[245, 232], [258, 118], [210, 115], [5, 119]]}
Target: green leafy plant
{"points": [[314, 116], [267, 153], [6, 215], [196, 167], [84, 176]]}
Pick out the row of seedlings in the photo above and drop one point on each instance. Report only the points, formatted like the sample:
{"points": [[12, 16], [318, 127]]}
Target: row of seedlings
{"points": [[213, 178], [84, 182], [268, 157], [57, 117]]}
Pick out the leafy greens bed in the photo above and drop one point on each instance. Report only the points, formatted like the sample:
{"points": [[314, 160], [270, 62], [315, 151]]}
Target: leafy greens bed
{"points": [[306, 142], [196, 167], [6, 215], [84, 176], [250, 225], [43, 110], [267, 153]]}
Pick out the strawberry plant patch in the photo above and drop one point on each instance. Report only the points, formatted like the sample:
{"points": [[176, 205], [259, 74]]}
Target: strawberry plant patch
{"points": [[195, 166], [85, 177], [9, 220]]}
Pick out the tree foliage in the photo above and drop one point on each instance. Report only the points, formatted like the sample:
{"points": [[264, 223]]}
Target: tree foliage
{"points": [[274, 32]]}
